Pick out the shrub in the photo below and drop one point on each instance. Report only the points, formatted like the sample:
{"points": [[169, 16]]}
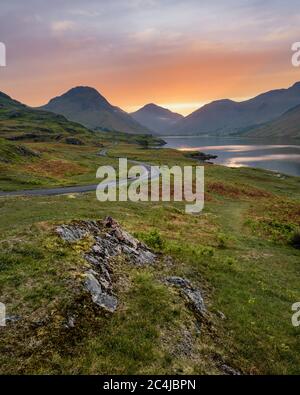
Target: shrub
{"points": [[222, 240], [153, 239], [207, 251], [295, 240], [230, 261]]}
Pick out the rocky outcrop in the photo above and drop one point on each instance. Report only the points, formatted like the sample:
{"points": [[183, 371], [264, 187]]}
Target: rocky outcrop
{"points": [[201, 156], [108, 241], [100, 293], [73, 141], [192, 295]]}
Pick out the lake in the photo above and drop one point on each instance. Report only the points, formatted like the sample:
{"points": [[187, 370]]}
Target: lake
{"points": [[282, 157]]}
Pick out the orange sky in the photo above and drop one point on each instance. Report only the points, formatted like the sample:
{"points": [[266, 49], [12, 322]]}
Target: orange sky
{"points": [[147, 51]]}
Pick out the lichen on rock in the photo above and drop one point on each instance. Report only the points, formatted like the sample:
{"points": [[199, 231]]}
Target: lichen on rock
{"points": [[109, 241]]}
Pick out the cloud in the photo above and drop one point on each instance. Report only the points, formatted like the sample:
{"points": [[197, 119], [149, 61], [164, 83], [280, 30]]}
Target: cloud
{"points": [[62, 26], [85, 13], [182, 52], [146, 35]]}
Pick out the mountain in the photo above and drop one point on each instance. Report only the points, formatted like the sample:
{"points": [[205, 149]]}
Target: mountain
{"points": [[287, 126], [86, 106], [156, 118], [224, 117], [19, 122]]}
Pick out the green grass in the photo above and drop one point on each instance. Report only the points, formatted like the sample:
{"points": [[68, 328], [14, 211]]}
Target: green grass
{"points": [[229, 250]]}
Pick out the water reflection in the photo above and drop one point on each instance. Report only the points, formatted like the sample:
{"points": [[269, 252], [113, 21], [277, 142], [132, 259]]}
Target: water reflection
{"points": [[278, 156], [236, 148]]}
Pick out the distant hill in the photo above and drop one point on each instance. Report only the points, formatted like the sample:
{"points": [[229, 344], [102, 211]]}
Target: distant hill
{"points": [[287, 126], [86, 106], [19, 122], [156, 118], [224, 117]]}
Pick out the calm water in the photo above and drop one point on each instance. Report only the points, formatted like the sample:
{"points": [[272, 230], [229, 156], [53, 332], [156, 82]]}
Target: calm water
{"points": [[283, 157]]}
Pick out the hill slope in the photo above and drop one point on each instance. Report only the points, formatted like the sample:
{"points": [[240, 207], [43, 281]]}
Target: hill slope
{"points": [[224, 117], [287, 125], [86, 106], [156, 118], [10, 152], [19, 122]]}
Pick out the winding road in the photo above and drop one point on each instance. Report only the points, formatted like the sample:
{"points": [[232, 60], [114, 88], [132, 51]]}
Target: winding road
{"points": [[84, 188]]}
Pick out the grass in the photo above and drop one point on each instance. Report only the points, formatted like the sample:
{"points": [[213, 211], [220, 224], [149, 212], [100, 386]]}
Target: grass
{"points": [[245, 268], [40, 149]]}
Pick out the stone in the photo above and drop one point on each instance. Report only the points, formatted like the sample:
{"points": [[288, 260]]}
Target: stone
{"points": [[12, 318], [99, 295], [221, 315], [70, 234], [193, 295], [110, 240], [70, 322], [179, 282], [229, 370]]}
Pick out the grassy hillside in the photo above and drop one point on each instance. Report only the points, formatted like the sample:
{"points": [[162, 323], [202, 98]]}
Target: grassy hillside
{"points": [[13, 153], [286, 126], [41, 149], [19, 122], [239, 251]]}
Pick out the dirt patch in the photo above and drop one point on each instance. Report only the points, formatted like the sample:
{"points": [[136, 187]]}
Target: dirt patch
{"points": [[55, 168], [230, 190]]}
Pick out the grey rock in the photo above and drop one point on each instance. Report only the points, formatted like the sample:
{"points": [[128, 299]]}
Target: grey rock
{"points": [[12, 318], [185, 346], [110, 240], [92, 284], [106, 301], [70, 322], [145, 258], [193, 295], [229, 370], [70, 234], [92, 259], [179, 282], [99, 296]]}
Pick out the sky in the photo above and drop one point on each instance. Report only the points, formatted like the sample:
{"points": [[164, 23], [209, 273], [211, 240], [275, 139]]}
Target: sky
{"points": [[179, 54]]}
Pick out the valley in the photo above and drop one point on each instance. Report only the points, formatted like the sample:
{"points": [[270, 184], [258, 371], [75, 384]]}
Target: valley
{"points": [[233, 251], [236, 256]]}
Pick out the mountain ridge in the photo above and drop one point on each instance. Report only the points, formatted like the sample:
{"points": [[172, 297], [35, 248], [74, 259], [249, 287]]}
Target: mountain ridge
{"points": [[287, 125], [88, 107], [156, 118], [225, 116]]}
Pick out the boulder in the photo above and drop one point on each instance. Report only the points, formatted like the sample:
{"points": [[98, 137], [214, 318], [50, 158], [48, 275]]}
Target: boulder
{"points": [[110, 240]]}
